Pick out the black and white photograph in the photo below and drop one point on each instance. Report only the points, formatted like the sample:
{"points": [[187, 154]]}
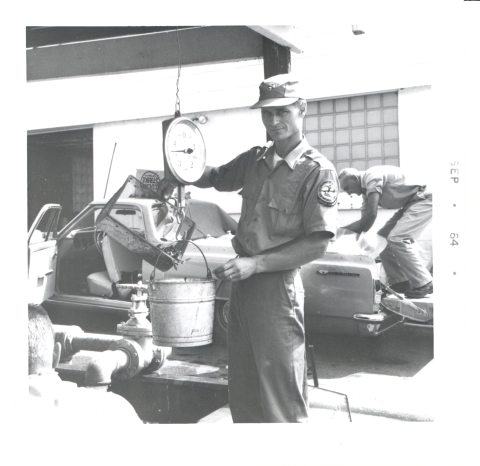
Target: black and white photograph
{"points": [[233, 225]]}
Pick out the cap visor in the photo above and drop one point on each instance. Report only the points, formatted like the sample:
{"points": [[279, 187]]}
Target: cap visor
{"points": [[280, 102]]}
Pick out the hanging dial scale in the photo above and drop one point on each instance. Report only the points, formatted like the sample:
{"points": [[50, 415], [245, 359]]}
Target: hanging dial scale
{"points": [[184, 154]]}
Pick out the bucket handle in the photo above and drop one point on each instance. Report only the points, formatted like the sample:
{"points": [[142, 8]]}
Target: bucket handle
{"points": [[209, 272]]}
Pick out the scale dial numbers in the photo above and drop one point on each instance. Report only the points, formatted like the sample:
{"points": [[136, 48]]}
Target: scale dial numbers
{"points": [[185, 150]]}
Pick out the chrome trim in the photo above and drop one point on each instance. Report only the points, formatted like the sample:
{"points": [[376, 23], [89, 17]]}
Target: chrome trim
{"points": [[412, 324], [370, 317], [89, 301]]}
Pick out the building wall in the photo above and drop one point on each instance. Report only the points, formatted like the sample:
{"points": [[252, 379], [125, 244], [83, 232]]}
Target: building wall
{"points": [[415, 118], [227, 133], [140, 95], [334, 63], [119, 148], [128, 108]]}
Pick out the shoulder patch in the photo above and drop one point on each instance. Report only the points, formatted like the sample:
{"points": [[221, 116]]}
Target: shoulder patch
{"points": [[328, 193]]}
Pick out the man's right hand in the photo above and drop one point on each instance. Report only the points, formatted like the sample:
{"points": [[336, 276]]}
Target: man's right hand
{"points": [[165, 189]]}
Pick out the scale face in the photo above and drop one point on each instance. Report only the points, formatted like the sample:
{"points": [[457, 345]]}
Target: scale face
{"points": [[184, 150]]}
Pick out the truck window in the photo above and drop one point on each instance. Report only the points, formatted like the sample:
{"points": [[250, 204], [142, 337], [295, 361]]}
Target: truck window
{"points": [[131, 217]]}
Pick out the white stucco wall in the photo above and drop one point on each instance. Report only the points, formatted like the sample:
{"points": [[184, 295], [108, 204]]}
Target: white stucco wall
{"points": [[84, 101], [227, 133], [417, 154], [138, 145]]}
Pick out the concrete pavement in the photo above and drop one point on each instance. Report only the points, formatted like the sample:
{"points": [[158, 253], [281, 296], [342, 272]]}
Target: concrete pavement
{"points": [[388, 379], [371, 398]]}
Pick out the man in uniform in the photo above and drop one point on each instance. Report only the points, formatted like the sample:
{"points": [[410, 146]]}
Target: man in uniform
{"points": [[387, 187], [288, 216]]}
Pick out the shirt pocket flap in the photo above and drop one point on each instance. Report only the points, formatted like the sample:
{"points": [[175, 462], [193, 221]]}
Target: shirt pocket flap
{"points": [[284, 205]]}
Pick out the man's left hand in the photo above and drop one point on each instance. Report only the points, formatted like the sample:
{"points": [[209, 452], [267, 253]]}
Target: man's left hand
{"points": [[237, 269]]}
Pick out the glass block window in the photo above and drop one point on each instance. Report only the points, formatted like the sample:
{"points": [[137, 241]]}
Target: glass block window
{"points": [[82, 179], [359, 131]]}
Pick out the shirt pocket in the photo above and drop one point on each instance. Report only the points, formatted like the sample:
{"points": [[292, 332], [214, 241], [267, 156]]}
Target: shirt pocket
{"points": [[285, 216]]}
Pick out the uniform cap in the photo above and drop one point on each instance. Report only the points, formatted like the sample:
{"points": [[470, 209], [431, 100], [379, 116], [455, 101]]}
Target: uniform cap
{"points": [[278, 91]]}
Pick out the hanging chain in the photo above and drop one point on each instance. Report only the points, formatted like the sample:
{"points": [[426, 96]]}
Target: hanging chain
{"points": [[180, 214], [177, 102]]}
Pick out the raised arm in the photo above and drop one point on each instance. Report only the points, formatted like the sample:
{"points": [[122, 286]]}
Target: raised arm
{"points": [[204, 181], [166, 188]]}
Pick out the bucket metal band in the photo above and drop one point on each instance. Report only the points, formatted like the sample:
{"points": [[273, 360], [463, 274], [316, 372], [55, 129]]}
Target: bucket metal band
{"points": [[206, 299]]}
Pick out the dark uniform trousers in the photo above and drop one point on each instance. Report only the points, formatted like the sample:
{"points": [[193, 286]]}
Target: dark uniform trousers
{"points": [[266, 349]]}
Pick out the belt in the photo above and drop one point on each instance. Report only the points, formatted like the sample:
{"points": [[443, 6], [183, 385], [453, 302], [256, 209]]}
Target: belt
{"points": [[417, 198]]}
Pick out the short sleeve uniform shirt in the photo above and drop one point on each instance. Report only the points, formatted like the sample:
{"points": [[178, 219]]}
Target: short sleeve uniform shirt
{"points": [[281, 201], [389, 181]]}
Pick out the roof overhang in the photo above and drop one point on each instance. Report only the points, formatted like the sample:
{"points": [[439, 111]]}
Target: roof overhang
{"points": [[287, 36], [60, 52]]}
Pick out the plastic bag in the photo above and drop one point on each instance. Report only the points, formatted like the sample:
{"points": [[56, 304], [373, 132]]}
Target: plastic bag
{"points": [[371, 244], [366, 244]]}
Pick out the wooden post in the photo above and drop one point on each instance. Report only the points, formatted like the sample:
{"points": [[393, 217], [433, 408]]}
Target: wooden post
{"points": [[276, 58]]}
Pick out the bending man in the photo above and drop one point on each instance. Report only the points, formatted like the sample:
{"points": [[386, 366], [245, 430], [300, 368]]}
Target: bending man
{"points": [[386, 186]]}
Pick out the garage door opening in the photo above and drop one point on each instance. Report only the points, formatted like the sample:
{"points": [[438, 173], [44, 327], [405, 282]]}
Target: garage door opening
{"points": [[60, 171]]}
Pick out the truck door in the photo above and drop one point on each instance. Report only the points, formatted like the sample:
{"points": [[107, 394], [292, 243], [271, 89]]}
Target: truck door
{"points": [[42, 254]]}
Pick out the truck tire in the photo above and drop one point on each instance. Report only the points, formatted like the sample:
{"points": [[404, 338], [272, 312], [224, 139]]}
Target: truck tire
{"points": [[220, 321]]}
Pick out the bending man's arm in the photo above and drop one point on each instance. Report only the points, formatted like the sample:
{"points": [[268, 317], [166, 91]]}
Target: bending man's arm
{"points": [[368, 215], [292, 255]]}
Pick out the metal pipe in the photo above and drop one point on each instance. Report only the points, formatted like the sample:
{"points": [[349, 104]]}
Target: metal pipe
{"points": [[93, 342], [101, 368], [73, 339], [127, 355]]}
